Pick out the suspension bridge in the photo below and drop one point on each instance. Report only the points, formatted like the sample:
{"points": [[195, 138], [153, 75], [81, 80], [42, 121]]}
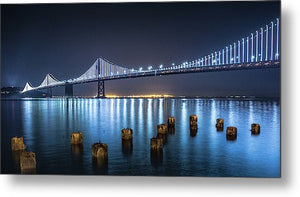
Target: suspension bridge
{"points": [[259, 50]]}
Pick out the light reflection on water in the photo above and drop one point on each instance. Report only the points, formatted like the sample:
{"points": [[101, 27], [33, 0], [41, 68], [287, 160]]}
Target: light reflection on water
{"points": [[46, 125]]}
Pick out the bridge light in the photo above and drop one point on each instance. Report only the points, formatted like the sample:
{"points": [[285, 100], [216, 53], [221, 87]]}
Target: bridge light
{"points": [[173, 64], [150, 67], [140, 69], [161, 66]]}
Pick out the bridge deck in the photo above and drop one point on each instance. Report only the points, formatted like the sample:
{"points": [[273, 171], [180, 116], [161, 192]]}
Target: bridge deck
{"points": [[166, 71]]}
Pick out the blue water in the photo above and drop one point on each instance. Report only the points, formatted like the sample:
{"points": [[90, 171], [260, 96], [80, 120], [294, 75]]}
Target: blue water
{"points": [[46, 125]]}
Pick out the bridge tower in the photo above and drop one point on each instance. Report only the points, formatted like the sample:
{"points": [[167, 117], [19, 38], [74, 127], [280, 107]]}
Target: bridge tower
{"points": [[69, 90], [100, 89]]}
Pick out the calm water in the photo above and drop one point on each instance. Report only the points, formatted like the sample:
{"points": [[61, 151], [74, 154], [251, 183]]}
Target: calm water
{"points": [[46, 125]]}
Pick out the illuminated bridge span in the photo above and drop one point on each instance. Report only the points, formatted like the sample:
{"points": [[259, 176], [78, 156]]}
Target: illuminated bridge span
{"points": [[259, 50]]}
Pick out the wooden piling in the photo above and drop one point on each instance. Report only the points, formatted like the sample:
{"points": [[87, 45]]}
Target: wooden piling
{"points": [[193, 132], [76, 138], [99, 150], [126, 134], [255, 129], [17, 143], [27, 161], [100, 157], [220, 124], [156, 143], [193, 122], [231, 133], [162, 129], [171, 122]]}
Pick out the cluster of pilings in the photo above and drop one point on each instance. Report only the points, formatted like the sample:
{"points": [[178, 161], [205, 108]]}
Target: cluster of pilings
{"points": [[157, 143], [99, 150], [25, 160], [231, 132]]}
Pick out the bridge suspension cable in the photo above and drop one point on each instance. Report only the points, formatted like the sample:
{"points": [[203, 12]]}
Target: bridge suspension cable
{"points": [[261, 49]]}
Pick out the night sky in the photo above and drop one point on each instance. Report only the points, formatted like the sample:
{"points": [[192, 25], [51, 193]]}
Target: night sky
{"points": [[65, 39]]}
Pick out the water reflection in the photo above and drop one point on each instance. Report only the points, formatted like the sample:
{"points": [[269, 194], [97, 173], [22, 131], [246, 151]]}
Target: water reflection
{"points": [[28, 171], [164, 137], [77, 152], [127, 147], [100, 165], [156, 157], [46, 125], [171, 130]]}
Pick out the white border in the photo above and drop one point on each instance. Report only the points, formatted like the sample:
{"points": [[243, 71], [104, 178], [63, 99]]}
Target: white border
{"points": [[288, 185]]}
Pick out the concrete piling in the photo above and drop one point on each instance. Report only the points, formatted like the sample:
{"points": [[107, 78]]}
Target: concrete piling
{"points": [[231, 133], [162, 129], [126, 134], [220, 124], [156, 143], [17, 143], [76, 138], [27, 161], [255, 129], [193, 122]]}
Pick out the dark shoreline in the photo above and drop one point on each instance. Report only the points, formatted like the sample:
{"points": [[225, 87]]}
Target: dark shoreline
{"points": [[178, 97]]}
